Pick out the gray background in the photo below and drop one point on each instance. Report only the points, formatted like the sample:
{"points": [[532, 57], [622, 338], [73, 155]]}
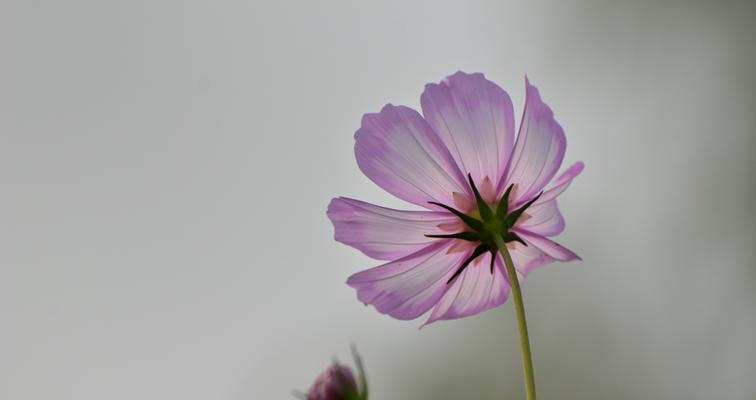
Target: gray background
{"points": [[165, 168]]}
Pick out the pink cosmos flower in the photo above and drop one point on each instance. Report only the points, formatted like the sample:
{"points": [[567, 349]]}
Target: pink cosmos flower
{"points": [[461, 162]]}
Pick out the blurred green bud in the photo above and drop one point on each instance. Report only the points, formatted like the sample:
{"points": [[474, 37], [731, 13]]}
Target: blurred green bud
{"points": [[338, 382], [335, 383]]}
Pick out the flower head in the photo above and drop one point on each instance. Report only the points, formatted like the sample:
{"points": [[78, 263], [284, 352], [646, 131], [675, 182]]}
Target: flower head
{"points": [[461, 162]]}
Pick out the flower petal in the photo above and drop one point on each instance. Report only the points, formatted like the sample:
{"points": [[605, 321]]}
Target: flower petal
{"points": [[384, 233], [475, 119], [548, 246], [408, 287], [474, 291], [539, 149], [545, 219], [527, 258], [561, 183], [399, 151]]}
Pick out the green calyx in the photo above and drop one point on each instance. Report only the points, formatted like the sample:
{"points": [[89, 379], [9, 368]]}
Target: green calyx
{"points": [[486, 225]]}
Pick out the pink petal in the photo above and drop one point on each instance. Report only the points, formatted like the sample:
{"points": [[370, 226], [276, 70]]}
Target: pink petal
{"points": [[527, 258], [399, 151], [545, 219], [407, 288], [539, 149], [475, 119], [474, 291], [562, 182], [547, 246], [384, 233]]}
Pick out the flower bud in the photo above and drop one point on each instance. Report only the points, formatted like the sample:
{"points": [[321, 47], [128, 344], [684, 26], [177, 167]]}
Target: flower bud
{"points": [[335, 383]]}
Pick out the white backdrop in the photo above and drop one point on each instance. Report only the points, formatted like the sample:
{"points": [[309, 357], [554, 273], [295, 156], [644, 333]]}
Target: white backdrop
{"points": [[165, 168]]}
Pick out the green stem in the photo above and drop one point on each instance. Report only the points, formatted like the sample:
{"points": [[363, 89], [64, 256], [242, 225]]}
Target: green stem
{"points": [[527, 361]]}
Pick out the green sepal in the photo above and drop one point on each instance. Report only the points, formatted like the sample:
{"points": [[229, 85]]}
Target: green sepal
{"points": [[512, 217], [362, 377], [469, 236], [473, 223], [493, 259], [483, 208], [482, 248], [512, 237], [503, 207]]}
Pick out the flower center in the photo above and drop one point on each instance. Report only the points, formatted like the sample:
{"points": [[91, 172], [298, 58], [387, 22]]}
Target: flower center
{"points": [[484, 223]]}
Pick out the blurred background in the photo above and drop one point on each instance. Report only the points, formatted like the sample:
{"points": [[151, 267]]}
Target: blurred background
{"points": [[166, 165]]}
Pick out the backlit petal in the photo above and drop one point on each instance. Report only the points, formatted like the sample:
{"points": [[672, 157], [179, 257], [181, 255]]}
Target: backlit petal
{"points": [[561, 183], [474, 291], [527, 258], [545, 219], [539, 149], [475, 119], [408, 287], [548, 246], [384, 233], [399, 151]]}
